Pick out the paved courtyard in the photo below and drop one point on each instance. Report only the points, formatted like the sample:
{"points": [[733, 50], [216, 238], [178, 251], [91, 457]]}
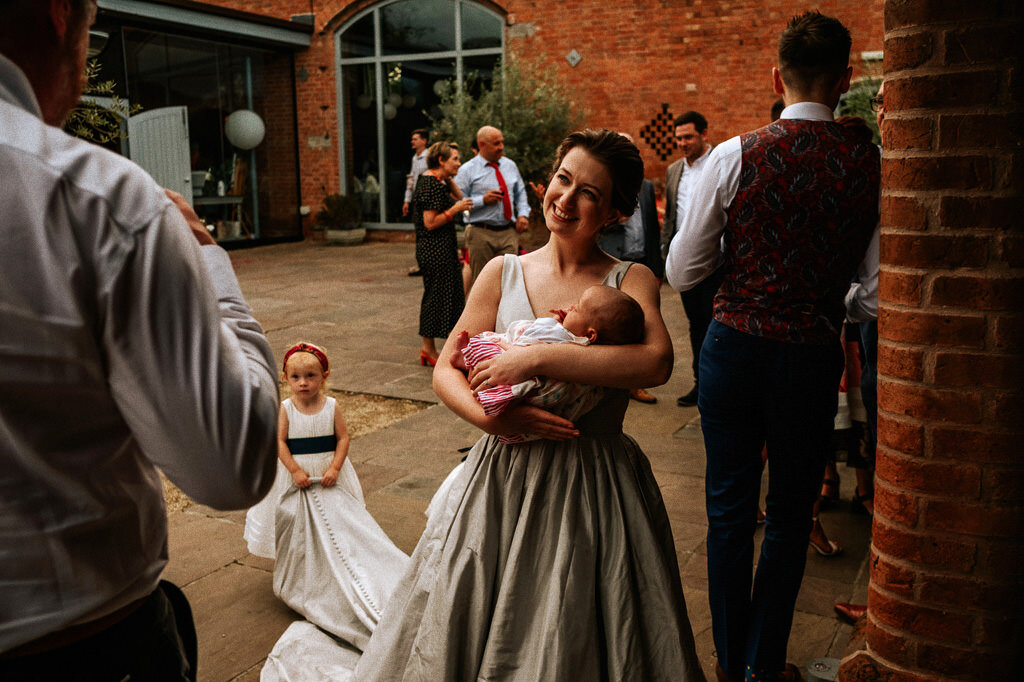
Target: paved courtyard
{"points": [[359, 304]]}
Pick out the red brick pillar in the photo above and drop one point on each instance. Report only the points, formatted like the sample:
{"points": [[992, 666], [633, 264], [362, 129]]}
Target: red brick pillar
{"points": [[947, 561]]}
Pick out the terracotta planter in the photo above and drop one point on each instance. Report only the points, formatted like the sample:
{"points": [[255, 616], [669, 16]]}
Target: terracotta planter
{"points": [[346, 237]]}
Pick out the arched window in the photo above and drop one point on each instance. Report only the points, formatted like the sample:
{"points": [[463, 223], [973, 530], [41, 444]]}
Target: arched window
{"points": [[393, 61]]}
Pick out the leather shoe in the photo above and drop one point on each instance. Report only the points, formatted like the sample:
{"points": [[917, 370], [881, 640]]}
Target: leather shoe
{"points": [[688, 400], [642, 396], [790, 674], [720, 675], [851, 613]]}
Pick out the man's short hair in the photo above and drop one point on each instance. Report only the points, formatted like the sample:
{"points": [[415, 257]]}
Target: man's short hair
{"points": [[422, 132], [700, 124], [814, 51], [777, 107]]}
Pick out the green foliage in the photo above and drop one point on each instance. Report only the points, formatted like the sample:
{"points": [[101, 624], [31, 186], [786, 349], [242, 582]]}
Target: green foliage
{"points": [[93, 122], [340, 212], [531, 107], [857, 100]]}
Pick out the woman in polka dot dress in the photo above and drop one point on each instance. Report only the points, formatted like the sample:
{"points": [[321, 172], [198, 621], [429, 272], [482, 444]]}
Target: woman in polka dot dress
{"points": [[435, 201]]}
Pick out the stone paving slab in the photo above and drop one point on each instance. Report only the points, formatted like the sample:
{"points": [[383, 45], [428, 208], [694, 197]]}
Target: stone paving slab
{"points": [[365, 312]]}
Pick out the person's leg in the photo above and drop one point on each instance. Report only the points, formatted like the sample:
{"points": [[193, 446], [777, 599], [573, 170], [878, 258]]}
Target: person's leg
{"points": [[731, 420], [698, 304], [865, 491], [802, 389], [479, 250], [430, 308], [506, 241]]}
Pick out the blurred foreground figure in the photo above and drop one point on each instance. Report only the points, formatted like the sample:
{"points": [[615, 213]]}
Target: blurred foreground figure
{"points": [[125, 345]]}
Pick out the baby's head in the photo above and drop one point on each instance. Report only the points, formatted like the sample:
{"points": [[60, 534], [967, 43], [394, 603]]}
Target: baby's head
{"points": [[606, 315], [306, 369]]}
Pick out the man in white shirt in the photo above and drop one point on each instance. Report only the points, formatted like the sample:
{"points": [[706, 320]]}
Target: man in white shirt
{"points": [[419, 164], [691, 132], [500, 207], [124, 346]]}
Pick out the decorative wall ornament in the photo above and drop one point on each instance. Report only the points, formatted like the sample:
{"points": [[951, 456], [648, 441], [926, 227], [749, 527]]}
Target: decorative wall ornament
{"points": [[573, 58], [659, 133]]}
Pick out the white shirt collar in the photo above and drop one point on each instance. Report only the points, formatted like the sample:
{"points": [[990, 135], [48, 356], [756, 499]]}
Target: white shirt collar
{"points": [[16, 89], [700, 159], [812, 111]]}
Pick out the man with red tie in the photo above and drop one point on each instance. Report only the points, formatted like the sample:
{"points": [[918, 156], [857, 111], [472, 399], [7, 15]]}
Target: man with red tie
{"points": [[500, 209]]}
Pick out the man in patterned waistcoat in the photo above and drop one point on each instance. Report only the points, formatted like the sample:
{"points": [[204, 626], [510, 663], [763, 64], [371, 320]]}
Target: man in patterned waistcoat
{"points": [[796, 202]]}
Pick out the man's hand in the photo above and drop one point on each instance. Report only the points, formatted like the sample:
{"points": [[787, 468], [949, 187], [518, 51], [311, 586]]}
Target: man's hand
{"points": [[522, 224], [494, 196], [405, 208], [199, 230], [538, 189]]}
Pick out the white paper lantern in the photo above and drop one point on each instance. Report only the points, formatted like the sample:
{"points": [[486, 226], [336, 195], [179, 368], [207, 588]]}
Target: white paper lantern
{"points": [[244, 129], [390, 111], [409, 101], [364, 101], [395, 99]]}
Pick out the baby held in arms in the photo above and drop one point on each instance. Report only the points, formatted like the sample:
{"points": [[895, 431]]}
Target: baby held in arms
{"points": [[603, 315]]}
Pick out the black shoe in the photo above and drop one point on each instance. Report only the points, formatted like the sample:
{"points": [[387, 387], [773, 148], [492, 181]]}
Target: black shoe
{"points": [[688, 400]]}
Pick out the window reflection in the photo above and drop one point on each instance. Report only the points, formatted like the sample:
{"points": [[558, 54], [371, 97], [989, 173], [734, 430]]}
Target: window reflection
{"points": [[412, 26]]}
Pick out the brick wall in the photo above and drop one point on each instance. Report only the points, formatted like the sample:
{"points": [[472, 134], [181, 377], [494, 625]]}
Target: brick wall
{"points": [[947, 553], [637, 55]]}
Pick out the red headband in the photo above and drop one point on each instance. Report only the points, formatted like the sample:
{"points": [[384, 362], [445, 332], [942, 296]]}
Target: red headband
{"points": [[305, 348]]}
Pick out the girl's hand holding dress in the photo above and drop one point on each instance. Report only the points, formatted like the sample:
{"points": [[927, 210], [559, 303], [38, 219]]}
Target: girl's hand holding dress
{"points": [[330, 477], [301, 478]]}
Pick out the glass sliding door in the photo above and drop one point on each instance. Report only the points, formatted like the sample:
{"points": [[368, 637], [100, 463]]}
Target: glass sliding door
{"points": [[394, 59]]}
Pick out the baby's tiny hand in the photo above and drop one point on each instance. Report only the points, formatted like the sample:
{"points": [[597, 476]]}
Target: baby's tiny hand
{"points": [[330, 477], [301, 478], [559, 314]]}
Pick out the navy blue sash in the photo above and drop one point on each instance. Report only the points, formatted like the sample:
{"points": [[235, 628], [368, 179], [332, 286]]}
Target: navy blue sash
{"points": [[312, 445]]}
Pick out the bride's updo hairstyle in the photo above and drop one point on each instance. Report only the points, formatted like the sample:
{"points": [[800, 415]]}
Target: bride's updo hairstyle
{"points": [[618, 155]]}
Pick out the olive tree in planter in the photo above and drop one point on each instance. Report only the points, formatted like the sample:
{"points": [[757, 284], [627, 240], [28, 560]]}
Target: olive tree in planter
{"points": [[342, 220]]}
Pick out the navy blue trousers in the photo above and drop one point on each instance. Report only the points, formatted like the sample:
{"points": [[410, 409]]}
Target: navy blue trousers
{"points": [[755, 392]]}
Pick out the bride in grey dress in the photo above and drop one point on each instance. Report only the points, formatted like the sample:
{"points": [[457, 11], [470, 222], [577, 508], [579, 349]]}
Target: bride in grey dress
{"points": [[552, 559]]}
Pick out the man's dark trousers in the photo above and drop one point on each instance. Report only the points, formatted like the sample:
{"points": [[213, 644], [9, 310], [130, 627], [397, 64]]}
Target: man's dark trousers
{"points": [[756, 391], [699, 303]]}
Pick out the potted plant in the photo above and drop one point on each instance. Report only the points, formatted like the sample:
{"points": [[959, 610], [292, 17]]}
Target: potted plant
{"points": [[342, 220]]}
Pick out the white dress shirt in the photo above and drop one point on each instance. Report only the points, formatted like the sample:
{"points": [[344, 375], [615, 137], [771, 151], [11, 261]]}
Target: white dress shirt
{"points": [[687, 179], [862, 298], [419, 164], [476, 178], [124, 347], [696, 249]]}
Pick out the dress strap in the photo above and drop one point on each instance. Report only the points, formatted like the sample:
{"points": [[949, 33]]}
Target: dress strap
{"points": [[616, 274]]}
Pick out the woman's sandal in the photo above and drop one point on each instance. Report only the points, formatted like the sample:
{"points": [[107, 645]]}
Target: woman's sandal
{"points": [[833, 547], [858, 502], [830, 492]]}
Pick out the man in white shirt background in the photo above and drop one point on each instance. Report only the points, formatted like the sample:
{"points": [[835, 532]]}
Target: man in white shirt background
{"points": [[419, 164], [500, 207], [418, 142], [125, 344], [691, 133]]}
